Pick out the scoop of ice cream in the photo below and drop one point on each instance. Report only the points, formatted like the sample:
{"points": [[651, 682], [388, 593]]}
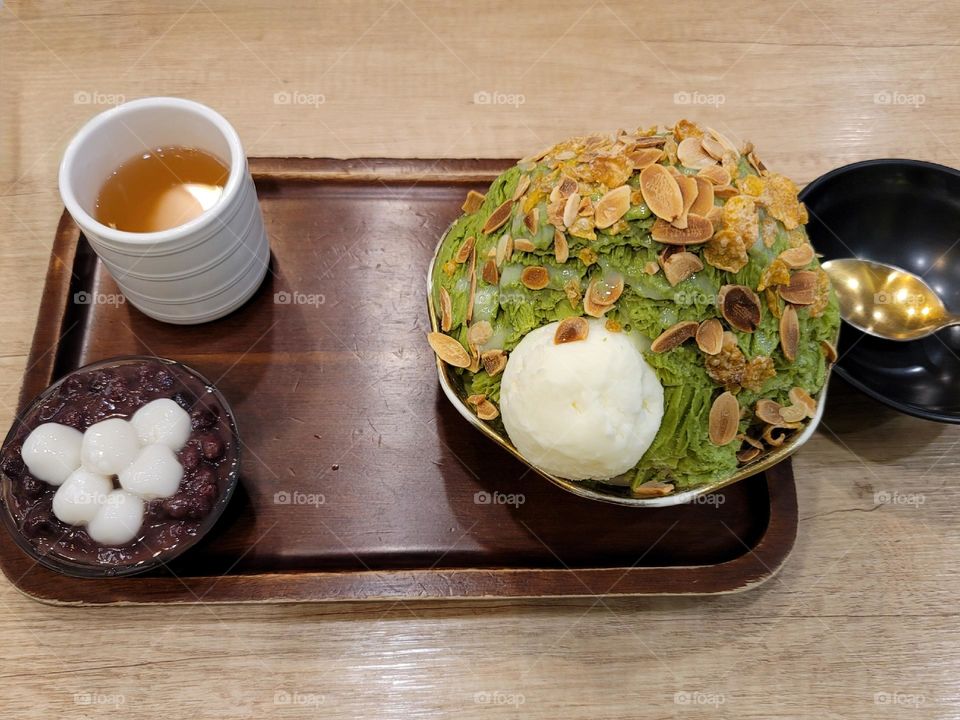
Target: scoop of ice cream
{"points": [[109, 446], [162, 421], [582, 410], [118, 520], [155, 473], [77, 501], [52, 451]]}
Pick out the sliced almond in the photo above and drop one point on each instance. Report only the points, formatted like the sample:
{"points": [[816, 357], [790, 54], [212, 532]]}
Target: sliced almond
{"points": [[473, 202], [476, 399], [535, 277], [755, 163], [768, 411], [793, 413], [775, 435], [604, 291], [698, 230], [479, 333], [703, 202], [715, 174], [715, 216], [675, 336], [571, 329], [648, 141], [567, 186], [798, 257], [724, 419], [463, 252], [829, 352], [652, 268], [745, 455], [789, 332], [487, 410], [724, 141], [502, 248], [493, 361], [710, 336], [522, 184], [489, 273], [644, 157], [802, 289], [725, 192], [691, 154], [651, 489], [446, 310], [498, 218], [523, 245], [593, 308], [799, 396], [611, 207], [571, 209], [679, 266], [740, 307], [561, 250], [532, 221], [713, 148], [688, 191], [449, 350], [473, 285], [661, 192]]}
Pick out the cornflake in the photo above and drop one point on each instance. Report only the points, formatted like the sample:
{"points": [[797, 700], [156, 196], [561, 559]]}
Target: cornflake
{"points": [[757, 372], [823, 294], [776, 273], [727, 367]]}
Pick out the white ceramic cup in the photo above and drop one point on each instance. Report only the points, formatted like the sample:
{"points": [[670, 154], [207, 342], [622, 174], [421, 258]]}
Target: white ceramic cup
{"points": [[195, 272]]}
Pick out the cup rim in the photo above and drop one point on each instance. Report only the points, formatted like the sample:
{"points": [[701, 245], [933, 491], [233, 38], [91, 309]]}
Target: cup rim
{"points": [[86, 220]]}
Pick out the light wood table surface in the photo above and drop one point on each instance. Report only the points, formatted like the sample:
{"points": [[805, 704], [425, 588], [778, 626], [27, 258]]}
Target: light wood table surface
{"points": [[862, 622]]}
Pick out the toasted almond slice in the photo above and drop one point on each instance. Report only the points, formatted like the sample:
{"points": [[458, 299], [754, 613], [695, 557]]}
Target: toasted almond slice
{"points": [[802, 289], [768, 411], [479, 333], [799, 396], [793, 413], [725, 192], [449, 350], [724, 141], [674, 336], [535, 277], [498, 218], [789, 333], [446, 310], [652, 268], [679, 266], [561, 250], [463, 253], [661, 192], [593, 308], [612, 206], [740, 307], [688, 191], [798, 257], [775, 435], [522, 184], [755, 163], [487, 410], [703, 202], [532, 221], [691, 154], [489, 273], [571, 209], [698, 230], [473, 285], [724, 419], [476, 399], [571, 329], [567, 186], [745, 455], [502, 249], [473, 202], [648, 141], [644, 157], [829, 352], [493, 361], [715, 216], [651, 489], [752, 442], [713, 148], [715, 174], [604, 291], [523, 245], [710, 336]]}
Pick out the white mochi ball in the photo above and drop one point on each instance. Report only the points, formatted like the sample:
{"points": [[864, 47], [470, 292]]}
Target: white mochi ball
{"points": [[109, 446], [118, 520], [162, 421], [52, 451], [155, 473], [81, 496]]}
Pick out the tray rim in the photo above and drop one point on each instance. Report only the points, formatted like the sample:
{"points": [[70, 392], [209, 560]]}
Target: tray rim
{"points": [[755, 566]]}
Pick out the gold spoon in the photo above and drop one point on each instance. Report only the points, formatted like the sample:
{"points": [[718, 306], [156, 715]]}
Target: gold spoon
{"points": [[885, 301]]}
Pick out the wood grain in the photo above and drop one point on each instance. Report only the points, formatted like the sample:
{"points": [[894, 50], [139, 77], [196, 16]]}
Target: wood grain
{"points": [[864, 611]]}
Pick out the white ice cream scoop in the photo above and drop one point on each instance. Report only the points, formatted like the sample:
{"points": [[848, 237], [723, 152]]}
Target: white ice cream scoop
{"points": [[162, 421], [118, 520], [586, 409], [52, 451], [77, 501], [155, 473], [109, 446]]}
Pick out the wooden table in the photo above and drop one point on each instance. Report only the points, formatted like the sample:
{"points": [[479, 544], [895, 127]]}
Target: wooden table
{"points": [[862, 622]]}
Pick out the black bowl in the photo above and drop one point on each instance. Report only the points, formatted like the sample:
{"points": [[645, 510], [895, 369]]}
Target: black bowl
{"points": [[905, 213]]}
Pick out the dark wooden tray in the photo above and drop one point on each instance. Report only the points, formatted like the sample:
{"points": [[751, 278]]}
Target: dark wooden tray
{"points": [[340, 399]]}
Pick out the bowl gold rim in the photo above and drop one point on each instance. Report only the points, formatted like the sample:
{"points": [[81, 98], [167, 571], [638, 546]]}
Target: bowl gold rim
{"points": [[765, 462]]}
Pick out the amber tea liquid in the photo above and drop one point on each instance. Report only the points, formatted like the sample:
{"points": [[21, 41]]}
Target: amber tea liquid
{"points": [[161, 189]]}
